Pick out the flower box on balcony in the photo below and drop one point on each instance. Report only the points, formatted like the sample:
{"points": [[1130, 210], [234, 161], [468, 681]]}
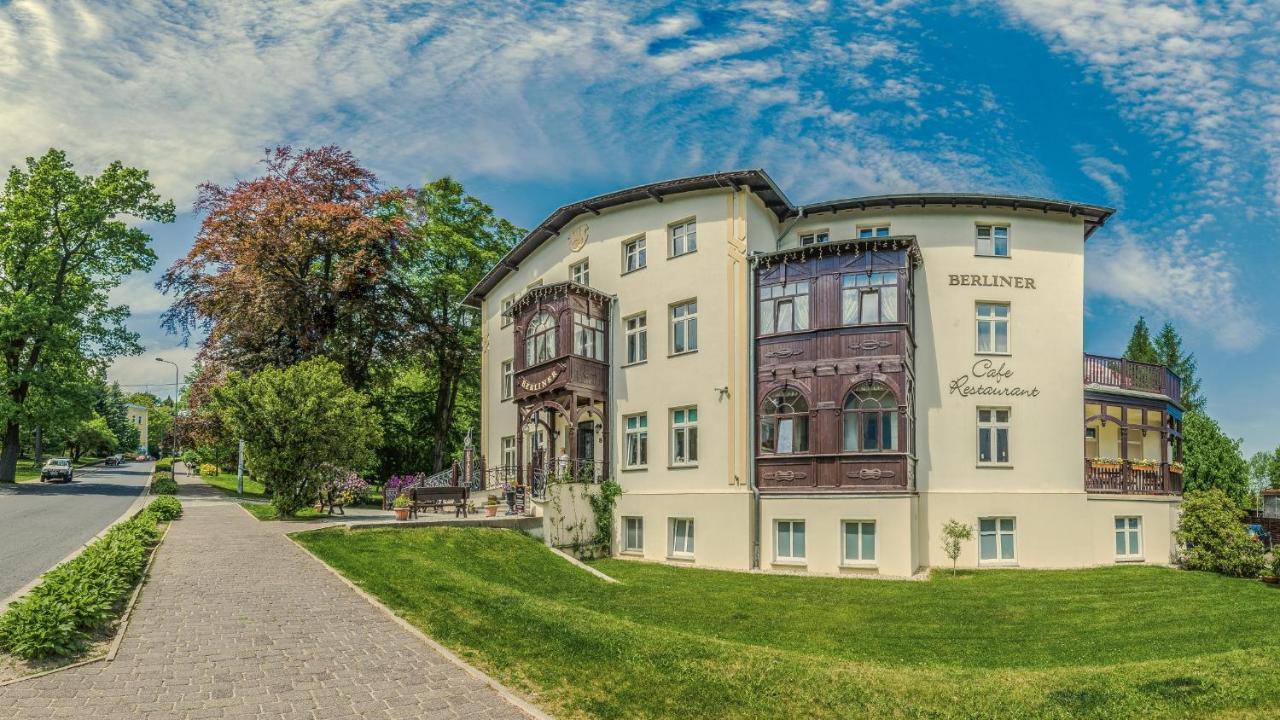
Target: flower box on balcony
{"points": [[1144, 464], [1175, 468], [1106, 464]]}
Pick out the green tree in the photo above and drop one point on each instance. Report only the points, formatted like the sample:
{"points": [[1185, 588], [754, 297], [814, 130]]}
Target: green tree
{"points": [[457, 238], [1264, 470], [159, 420], [1169, 352], [112, 405], [298, 424], [1140, 348], [93, 436], [1211, 459], [64, 243], [954, 535], [1214, 537]]}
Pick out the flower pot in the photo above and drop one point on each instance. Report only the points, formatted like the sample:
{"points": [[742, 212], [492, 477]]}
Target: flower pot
{"points": [[402, 513], [1109, 467], [491, 510]]}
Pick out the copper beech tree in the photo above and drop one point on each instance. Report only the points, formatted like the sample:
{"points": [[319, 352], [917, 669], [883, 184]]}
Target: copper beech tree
{"points": [[294, 264]]}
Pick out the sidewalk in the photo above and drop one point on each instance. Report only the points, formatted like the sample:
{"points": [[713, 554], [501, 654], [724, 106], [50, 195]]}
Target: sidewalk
{"points": [[238, 622]]}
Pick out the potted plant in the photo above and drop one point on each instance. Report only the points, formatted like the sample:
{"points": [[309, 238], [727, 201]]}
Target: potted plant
{"points": [[491, 506], [401, 505], [1144, 464], [1110, 464], [1273, 576], [1175, 467]]}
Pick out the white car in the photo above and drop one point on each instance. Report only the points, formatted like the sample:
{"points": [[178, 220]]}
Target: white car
{"points": [[57, 469]]}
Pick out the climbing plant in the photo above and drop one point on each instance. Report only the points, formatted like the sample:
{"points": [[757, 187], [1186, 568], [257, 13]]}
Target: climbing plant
{"points": [[602, 504]]}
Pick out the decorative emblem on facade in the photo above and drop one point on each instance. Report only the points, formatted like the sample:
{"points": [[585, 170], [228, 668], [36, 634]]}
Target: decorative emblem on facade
{"points": [[869, 345], [785, 476], [784, 353], [578, 238], [871, 474], [536, 385]]}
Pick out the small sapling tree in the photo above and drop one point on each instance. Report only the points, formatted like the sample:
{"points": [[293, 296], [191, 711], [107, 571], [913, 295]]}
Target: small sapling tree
{"points": [[954, 533]]}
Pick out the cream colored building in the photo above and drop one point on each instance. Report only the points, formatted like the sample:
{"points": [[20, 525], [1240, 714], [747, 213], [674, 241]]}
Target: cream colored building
{"points": [[139, 416], [819, 388]]}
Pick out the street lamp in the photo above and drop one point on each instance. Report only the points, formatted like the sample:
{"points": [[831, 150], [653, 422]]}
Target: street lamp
{"points": [[176, 390]]}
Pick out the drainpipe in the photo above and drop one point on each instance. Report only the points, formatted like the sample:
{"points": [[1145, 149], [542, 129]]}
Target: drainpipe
{"points": [[777, 244], [751, 413]]}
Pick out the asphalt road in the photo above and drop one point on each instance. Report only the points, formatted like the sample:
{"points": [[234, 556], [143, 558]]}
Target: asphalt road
{"points": [[42, 523]]}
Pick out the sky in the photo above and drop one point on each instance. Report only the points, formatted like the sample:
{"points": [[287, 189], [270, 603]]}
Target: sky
{"points": [[1169, 112]]}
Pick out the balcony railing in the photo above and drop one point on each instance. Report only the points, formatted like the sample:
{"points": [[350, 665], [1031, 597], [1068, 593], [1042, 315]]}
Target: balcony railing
{"points": [[1130, 375], [565, 471], [1125, 477]]}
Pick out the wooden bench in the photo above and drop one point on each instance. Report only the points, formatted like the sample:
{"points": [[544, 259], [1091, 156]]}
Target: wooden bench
{"points": [[436, 497]]}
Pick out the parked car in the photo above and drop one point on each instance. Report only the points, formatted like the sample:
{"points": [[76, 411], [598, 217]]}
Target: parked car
{"points": [[113, 460], [59, 469], [1259, 532]]}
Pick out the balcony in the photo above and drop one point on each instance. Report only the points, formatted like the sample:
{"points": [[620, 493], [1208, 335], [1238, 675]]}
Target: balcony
{"points": [[1120, 374], [1123, 477]]}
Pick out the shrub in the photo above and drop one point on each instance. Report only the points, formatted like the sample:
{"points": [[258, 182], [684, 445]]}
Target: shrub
{"points": [[208, 469], [164, 486], [81, 596], [164, 464], [165, 508], [1214, 537]]}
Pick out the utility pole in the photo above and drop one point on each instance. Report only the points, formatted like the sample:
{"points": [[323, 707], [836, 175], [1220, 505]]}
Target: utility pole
{"points": [[177, 388], [240, 470]]}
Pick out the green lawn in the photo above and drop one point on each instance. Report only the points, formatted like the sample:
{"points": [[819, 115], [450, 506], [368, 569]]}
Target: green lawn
{"points": [[226, 482], [267, 511], [680, 642]]}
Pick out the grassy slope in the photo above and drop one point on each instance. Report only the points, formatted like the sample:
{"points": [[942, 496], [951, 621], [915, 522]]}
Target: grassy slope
{"points": [[691, 643]]}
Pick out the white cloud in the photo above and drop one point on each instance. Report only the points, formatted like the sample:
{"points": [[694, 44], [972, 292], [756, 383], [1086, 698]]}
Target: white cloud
{"points": [[142, 373], [1173, 276], [1110, 175]]}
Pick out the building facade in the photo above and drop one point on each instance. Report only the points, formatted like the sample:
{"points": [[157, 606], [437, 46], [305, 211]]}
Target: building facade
{"points": [[140, 416], [820, 388]]}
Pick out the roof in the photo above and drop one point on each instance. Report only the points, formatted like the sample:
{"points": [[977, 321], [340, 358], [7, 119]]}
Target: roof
{"points": [[759, 182]]}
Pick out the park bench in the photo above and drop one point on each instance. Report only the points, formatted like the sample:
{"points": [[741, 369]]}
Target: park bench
{"points": [[435, 498]]}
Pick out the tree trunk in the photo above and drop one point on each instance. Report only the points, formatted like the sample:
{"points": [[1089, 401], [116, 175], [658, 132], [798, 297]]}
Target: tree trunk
{"points": [[9, 455], [446, 396]]}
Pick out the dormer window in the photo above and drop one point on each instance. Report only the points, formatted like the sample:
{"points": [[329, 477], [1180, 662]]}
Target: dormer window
{"points": [[873, 231], [814, 238], [540, 339]]}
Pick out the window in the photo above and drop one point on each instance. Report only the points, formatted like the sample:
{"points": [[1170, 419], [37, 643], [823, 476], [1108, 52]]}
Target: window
{"points": [[633, 254], [873, 231], [870, 419], [993, 328], [684, 436], [588, 336], [868, 298], [789, 545], [859, 542], [992, 241], [632, 534], [507, 302], [684, 327], [540, 339], [581, 272], [784, 308], [637, 441], [637, 332], [812, 238], [681, 537], [684, 238], [1091, 445], [993, 435], [509, 451], [784, 422], [1128, 537], [995, 539], [508, 379]]}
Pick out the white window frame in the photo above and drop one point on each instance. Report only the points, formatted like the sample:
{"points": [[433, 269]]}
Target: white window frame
{"points": [[689, 323], [508, 379], [815, 237], [870, 232], [988, 235], [507, 302], [580, 272], [687, 432], [789, 557], [509, 451], [636, 338], [784, 301], [688, 546], [998, 532], [640, 436], [588, 336], [1131, 532], [685, 233], [627, 522], [861, 560], [986, 314], [862, 286], [995, 426], [634, 249]]}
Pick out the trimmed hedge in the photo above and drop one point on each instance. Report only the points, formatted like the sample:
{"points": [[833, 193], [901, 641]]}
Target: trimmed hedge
{"points": [[165, 464], [83, 596], [163, 484]]}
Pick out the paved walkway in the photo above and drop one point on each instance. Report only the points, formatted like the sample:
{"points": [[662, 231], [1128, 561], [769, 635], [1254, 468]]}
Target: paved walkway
{"points": [[238, 622]]}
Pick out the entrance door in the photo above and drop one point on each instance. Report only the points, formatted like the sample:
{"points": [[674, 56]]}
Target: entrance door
{"points": [[586, 449]]}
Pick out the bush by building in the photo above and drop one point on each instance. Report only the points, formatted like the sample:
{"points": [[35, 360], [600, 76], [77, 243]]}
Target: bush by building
{"points": [[1214, 537]]}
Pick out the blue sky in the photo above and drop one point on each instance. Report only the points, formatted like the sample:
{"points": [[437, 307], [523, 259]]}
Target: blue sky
{"points": [[1167, 111]]}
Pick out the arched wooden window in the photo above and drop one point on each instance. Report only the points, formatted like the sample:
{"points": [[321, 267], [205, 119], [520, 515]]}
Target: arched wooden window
{"points": [[784, 422], [870, 418], [540, 339]]}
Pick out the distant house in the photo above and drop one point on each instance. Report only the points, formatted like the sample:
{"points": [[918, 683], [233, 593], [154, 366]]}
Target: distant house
{"points": [[138, 415], [1271, 503]]}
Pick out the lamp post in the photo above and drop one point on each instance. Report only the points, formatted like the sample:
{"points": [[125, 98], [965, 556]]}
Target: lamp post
{"points": [[177, 388]]}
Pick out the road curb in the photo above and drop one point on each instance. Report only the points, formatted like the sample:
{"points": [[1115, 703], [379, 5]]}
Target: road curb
{"points": [[129, 512], [128, 609], [507, 694]]}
